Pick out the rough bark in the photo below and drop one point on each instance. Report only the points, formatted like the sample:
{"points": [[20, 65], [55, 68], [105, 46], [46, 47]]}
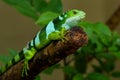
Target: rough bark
{"points": [[50, 55]]}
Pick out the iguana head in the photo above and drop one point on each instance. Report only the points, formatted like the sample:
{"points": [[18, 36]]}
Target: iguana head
{"points": [[73, 17]]}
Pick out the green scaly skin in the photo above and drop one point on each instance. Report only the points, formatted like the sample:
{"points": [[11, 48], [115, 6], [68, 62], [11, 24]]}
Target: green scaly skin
{"points": [[54, 30]]}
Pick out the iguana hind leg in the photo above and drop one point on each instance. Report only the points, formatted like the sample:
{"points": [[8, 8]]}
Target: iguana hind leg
{"points": [[29, 54], [25, 68]]}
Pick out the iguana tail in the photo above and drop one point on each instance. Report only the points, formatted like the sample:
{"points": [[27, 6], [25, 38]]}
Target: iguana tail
{"points": [[12, 62]]}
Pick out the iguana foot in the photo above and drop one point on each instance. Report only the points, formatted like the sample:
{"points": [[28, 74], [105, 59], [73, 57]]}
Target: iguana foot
{"points": [[25, 68]]}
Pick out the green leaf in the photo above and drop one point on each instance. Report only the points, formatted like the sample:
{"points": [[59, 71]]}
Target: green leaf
{"points": [[117, 42], [97, 32], [68, 70], [80, 63], [51, 69], [37, 77], [56, 66], [106, 56], [103, 32], [97, 68], [51, 5], [12, 2], [48, 71], [39, 5], [102, 28], [4, 59], [107, 64], [46, 17], [117, 54], [12, 52], [113, 48], [116, 74], [89, 29], [25, 8], [33, 8], [78, 77], [99, 47], [54, 6], [97, 76]]}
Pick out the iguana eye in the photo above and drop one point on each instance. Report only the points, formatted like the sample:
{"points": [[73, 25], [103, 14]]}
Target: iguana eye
{"points": [[74, 12]]}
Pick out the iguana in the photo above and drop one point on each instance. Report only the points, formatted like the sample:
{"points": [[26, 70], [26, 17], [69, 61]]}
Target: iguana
{"points": [[54, 30]]}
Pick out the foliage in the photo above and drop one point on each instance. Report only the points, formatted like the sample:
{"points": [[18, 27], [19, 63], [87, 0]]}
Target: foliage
{"points": [[4, 59], [34, 8], [103, 46]]}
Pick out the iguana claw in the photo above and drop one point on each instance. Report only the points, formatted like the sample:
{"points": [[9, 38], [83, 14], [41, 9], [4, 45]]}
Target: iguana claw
{"points": [[25, 68]]}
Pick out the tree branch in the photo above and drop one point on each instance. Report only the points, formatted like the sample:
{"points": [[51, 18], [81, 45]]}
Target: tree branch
{"points": [[114, 20], [50, 55]]}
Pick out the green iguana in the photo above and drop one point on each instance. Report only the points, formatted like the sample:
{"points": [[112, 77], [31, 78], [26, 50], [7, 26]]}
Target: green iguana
{"points": [[54, 30]]}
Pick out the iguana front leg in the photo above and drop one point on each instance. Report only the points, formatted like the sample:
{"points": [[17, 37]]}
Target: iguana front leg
{"points": [[57, 35]]}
